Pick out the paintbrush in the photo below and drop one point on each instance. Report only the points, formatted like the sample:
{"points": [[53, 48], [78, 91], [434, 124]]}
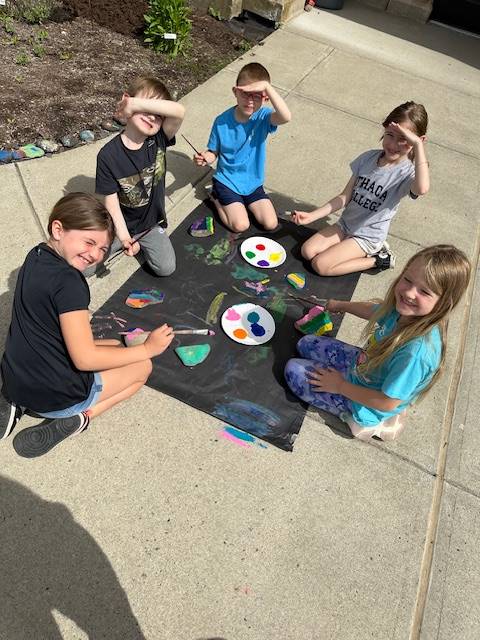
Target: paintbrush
{"points": [[188, 142], [194, 332], [111, 259], [321, 301], [286, 215]]}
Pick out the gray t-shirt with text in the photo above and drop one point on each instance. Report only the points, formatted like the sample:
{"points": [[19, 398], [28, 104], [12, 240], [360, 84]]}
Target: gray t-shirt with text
{"points": [[376, 195]]}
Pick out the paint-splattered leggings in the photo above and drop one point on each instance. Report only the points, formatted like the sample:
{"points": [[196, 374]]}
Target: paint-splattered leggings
{"points": [[323, 352]]}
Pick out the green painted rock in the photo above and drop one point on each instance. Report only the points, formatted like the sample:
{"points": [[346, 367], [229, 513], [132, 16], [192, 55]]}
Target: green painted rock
{"points": [[193, 355], [31, 151]]}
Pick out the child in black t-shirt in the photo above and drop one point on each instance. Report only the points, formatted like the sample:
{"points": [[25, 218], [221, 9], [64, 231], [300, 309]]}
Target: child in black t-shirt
{"points": [[52, 364], [131, 172]]}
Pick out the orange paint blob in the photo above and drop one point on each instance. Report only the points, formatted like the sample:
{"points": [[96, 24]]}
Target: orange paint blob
{"points": [[241, 334]]}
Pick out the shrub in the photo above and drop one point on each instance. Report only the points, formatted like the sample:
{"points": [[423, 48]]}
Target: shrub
{"points": [[32, 11], [165, 17]]}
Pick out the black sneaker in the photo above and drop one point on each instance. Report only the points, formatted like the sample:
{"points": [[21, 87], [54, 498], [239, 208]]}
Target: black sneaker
{"points": [[10, 414], [36, 441], [385, 260]]}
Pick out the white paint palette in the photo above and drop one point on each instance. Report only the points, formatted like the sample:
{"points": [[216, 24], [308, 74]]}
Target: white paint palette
{"points": [[263, 252], [248, 324]]}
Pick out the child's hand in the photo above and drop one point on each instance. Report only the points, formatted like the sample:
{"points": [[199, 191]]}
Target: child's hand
{"points": [[158, 340], [333, 306], [202, 159], [411, 138], [261, 86], [302, 217], [131, 247], [327, 380], [124, 108]]}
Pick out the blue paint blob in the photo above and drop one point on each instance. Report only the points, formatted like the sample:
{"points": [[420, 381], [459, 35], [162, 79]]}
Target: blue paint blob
{"points": [[241, 435], [257, 330], [263, 263], [253, 317]]}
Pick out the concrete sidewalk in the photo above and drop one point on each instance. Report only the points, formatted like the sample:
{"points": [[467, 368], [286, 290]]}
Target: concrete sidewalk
{"points": [[149, 525]]}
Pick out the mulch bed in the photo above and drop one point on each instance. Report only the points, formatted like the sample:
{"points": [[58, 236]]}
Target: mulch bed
{"points": [[83, 67]]}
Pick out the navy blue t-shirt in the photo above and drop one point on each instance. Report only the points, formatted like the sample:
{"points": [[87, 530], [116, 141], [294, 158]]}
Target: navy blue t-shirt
{"points": [[37, 371]]}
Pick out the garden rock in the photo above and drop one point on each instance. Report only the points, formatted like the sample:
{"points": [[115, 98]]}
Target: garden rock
{"points": [[87, 135], [49, 146]]}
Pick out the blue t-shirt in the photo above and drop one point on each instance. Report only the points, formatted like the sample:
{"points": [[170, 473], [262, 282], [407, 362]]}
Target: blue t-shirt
{"points": [[402, 376], [240, 147]]}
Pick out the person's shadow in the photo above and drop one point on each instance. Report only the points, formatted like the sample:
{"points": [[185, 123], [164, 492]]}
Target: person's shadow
{"points": [[50, 562]]}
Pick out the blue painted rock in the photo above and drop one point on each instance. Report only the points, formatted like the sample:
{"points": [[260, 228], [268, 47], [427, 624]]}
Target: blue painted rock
{"points": [[202, 227], [193, 355], [87, 136], [139, 298], [69, 141], [49, 146], [32, 151], [18, 154], [6, 156]]}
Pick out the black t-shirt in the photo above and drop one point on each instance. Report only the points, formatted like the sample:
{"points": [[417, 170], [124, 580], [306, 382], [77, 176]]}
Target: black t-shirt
{"points": [[37, 371], [139, 179]]}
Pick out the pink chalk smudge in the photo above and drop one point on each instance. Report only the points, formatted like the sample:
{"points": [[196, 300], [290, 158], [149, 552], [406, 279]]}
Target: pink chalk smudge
{"points": [[229, 436]]}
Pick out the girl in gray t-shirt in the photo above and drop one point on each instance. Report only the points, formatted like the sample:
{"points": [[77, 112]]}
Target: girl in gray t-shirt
{"points": [[380, 179]]}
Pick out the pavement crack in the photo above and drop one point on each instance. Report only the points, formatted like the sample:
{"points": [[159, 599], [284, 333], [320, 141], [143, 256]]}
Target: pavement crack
{"points": [[30, 202]]}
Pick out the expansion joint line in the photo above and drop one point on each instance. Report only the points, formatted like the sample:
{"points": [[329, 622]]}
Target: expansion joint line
{"points": [[432, 525], [30, 202]]}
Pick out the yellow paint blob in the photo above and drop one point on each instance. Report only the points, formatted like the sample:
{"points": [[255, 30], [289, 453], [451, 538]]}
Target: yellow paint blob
{"points": [[274, 257]]}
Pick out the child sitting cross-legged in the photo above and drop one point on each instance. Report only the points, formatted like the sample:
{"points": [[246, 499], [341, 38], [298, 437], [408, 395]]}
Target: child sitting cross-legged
{"points": [[370, 388]]}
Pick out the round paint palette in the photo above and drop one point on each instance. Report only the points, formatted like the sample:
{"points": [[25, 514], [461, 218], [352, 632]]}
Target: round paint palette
{"points": [[248, 323], [263, 252]]}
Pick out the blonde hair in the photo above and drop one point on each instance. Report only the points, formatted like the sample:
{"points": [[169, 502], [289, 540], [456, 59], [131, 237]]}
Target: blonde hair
{"points": [[81, 211], [252, 72], [447, 274], [150, 86]]}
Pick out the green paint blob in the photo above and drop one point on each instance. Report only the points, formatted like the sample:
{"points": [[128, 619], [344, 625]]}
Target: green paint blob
{"points": [[218, 252], [193, 355], [249, 254], [246, 272]]}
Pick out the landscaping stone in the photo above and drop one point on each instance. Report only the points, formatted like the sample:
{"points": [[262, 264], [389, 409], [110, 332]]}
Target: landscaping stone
{"points": [[32, 151], [110, 125], [69, 141], [49, 146], [87, 135]]}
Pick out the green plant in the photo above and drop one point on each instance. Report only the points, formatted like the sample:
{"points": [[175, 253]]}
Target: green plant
{"points": [[164, 18], [22, 59], [215, 13], [13, 41], [41, 35], [33, 11], [65, 55], [244, 46], [7, 23], [38, 50]]}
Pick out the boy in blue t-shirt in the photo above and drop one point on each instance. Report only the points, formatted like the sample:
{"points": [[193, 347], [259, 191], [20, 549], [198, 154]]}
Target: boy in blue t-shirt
{"points": [[237, 140]]}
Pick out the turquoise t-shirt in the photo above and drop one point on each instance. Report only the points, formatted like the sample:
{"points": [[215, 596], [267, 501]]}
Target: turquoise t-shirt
{"points": [[240, 147], [402, 376]]}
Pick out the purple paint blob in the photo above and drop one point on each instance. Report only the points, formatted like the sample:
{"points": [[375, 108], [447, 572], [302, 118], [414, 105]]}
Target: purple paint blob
{"points": [[253, 317], [257, 330], [263, 263]]}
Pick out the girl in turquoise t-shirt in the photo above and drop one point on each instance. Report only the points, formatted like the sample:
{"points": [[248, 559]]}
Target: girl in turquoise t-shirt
{"points": [[404, 354]]}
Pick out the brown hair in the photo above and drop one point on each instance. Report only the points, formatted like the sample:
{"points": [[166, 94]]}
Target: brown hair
{"points": [[150, 86], [412, 112], [81, 211], [447, 274], [252, 72]]}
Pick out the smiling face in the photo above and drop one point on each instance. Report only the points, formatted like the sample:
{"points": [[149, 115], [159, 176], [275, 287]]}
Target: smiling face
{"points": [[81, 248], [247, 102], [146, 124], [395, 147], [413, 296]]}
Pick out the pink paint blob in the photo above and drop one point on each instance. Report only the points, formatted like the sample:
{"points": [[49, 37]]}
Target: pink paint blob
{"points": [[232, 315], [228, 436]]}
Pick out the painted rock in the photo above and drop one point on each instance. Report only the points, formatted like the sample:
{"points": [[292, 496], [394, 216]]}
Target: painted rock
{"points": [[110, 125], [69, 141], [140, 298], [193, 355], [87, 136], [297, 280], [316, 322], [49, 146], [202, 227], [18, 154], [31, 151], [5, 156], [135, 337]]}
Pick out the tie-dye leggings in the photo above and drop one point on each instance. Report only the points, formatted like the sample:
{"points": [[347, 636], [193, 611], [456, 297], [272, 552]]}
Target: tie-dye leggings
{"points": [[323, 352]]}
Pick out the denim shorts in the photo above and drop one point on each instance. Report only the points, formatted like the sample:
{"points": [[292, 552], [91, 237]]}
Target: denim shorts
{"points": [[226, 196], [88, 403]]}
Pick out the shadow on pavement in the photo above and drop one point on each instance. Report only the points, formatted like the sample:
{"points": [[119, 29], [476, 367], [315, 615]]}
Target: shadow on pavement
{"points": [[48, 561]]}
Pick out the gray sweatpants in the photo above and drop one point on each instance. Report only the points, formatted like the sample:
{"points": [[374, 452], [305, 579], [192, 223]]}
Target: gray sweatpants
{"points": [[156, 248]]}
